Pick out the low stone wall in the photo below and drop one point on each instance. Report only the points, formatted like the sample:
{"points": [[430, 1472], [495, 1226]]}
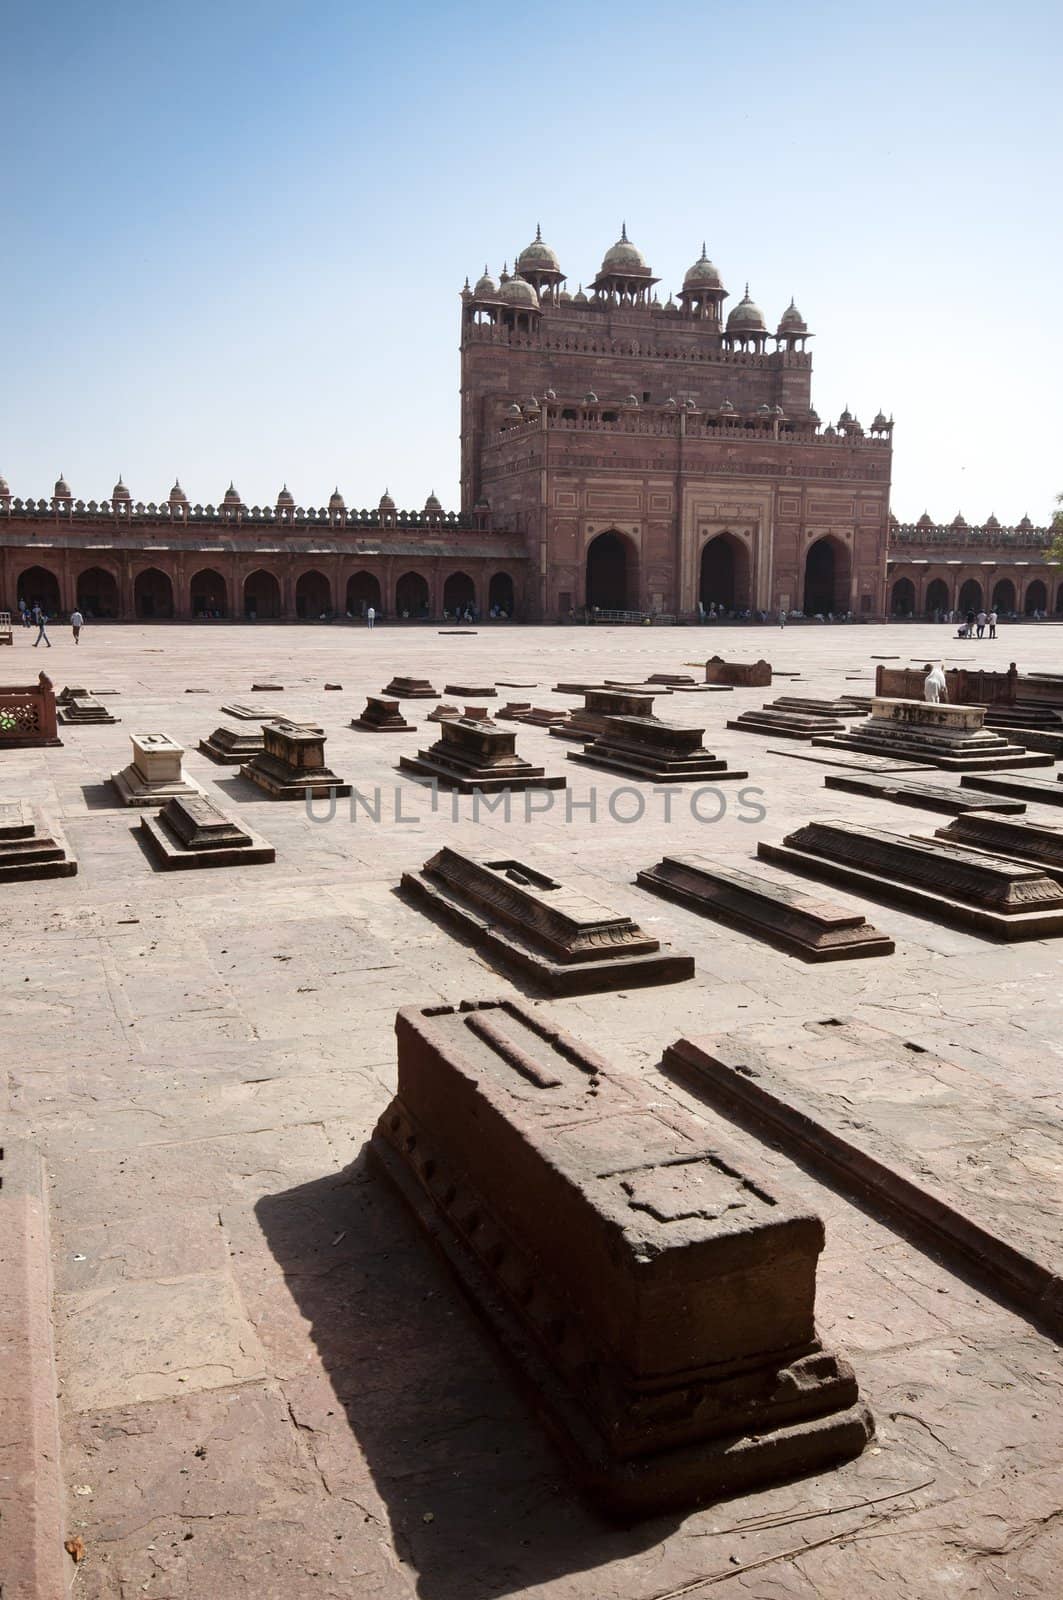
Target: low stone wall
{"points": [[27, 715]]}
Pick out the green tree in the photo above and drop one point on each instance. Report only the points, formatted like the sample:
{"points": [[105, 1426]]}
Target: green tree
{"points": [[1055, 552]]}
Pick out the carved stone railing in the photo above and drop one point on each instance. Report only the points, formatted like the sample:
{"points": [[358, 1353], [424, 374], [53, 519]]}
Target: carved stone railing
{"points": [[27, 715]]}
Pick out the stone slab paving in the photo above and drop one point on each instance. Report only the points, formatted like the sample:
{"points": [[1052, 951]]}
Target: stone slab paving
{"points": [[269, 1388]]}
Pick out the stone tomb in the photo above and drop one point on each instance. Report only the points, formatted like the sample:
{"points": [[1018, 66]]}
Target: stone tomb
{"points": [[568, 943], [246, 713], [926, 796], [738, 674], [658, 752], [543, 717], [655, 1294], [443, 713], [466, 691], [514, 710], [1041, 790], [31, 846], [1037, 843], [477, 754], [382, 716], [771, 722], [194, 832], [951, 736], [586, 722], [409, 689], [989, 894], [843, 706], [228, 747], [79, 706], [292, 764], [802, 924], [155, 773]]}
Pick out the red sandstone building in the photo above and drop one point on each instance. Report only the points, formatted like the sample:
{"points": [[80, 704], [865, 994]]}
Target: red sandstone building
{"points": [[617, 453]]}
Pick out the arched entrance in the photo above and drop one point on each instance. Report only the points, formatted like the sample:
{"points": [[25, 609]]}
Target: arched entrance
{"points": [[937, 596], [971, 596], [902, 598], [724, 579], [209, 594], [611, 574], [459, 593], [262, 596], [363, 591], [313, 596], [152, 594], [1036, 598], [39, 587], [1004, 596], [500, 594], [826, 578], [411, 595], [97, 593]]}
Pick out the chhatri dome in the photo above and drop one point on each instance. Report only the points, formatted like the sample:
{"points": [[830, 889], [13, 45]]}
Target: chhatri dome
{"points": [[537, 256], [285, 500], [747, 317], [517, 292], [336, 502], [792, 321], [702, 275], [120, 492], [623, 257], [486, 287]]}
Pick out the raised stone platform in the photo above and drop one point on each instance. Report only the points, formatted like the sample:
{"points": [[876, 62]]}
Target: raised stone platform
{"points": [[855, 760], [925, 796], [738, 674], [194, 832], [1041, 791], [466, 691], [514, 710], [843, 706], [986, 893], [229, 748], [543, 717], [567, 942], [584, 723], [155, 773], [797, 922], [654, 751], [443, 713], [774, 723], [382, 716], [477, 754], [247, 713], [31, 846], [654, 1293], [952, 737], [292, 764], [80, 706], [1037, 843], [410, 689]]}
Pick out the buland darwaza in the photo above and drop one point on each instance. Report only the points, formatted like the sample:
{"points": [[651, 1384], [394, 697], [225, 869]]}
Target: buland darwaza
{"points": [[618, 454]]}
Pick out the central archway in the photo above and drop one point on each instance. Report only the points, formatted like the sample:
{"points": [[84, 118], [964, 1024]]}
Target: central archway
{"points": [[724, 578], [152, 594], [971, 596], [459, 592], [826, 578], [363, 591], [39, 587], [313, 596], [937, 596], [1036, 597], [902, 598], [411, 595], [262, 596], [500, 597], [97, 593], [1004, 596], [612, 579], [209, 595]]}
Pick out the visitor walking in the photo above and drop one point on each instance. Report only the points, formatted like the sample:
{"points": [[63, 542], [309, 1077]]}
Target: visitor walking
{"points": [[782, 617], [935, 688], [980, 623], [77, 622], [370, 618], [970, 624], [41, 619], [992, 624]]}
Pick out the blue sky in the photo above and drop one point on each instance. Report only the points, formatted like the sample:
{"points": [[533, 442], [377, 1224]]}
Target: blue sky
{"points": [[234, 234]]}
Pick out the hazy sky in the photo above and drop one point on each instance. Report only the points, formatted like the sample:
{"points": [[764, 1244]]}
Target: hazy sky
{"points": [[234, 234]]}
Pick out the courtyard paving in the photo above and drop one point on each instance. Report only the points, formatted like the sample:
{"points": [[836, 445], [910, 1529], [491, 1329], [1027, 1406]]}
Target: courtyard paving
{"points": [[269, 1387]]}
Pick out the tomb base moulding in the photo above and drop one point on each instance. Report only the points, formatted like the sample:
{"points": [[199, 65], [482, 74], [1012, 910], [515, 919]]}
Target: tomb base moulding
{"points": [[31, 846], [953, 737], [565, 941], [382, 715], [410, 689], [925, 796], [654, 751], [194, 832], [477, 754], [292, 764], [155, 773], [654, 1294], [584, 723], [738, 674]]}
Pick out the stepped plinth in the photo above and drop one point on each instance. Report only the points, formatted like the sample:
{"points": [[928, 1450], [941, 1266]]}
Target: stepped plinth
{"points": [[989, 894], [739, 674], [443, 713], [77, 707], [292, 764], [31, 846], [194, 832], [925, 796], [409, 689], [654, 751], [843, 706], [477, 754], [1036, 843], [382, 716], [229, 747], [586, 722], [953, 737], [565, 941], [773, 723], [467, 691], [155, 774]]}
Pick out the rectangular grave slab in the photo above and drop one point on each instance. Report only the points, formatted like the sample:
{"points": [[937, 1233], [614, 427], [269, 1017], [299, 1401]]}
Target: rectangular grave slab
{"points": [[986, 894], [443, 713], [670, 683], [32, 846], [963, 1185], [654, 751], [841, 707], [567, 942], [802, 924], [1037, 843], [84, 709], [410, 689], [247, 713], [466, 691], [543, 717], [654, 1293], [771, 723], [854, 760], [194, 832], [952, 737], [1042, 791], [382, 716], [586, 722], [155, 773], [926, 796], [514, 710], [229, 747], [477, 754], [292, 764], [739, 674]]}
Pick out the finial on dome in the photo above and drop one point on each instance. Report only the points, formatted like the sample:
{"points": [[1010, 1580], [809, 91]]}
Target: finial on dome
{"points": [[538, 233], [623, 232], [704, 252]]}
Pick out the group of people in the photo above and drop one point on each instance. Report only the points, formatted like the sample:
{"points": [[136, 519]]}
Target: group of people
{"points": [[975, 624], [35, 616]]}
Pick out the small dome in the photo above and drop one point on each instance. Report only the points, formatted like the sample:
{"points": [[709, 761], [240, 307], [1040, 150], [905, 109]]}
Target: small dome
{"points": [[631, 400], [579, 298], [231, 496], [764, 410], [845, 418], [551, 394], [486, 287], [777, 411], [813, 416], [690, 405], [670, 403], [991, 521], [433, 505], [4, 488], [336, 502], [727, 409], [590, 398], [925, 521], [177, 494], [747, 317], [120, 492], [564, 298], [792, 321], [881, 420], [285, 500], [386, 502], [702, 275], [959, 520], [622, 258], [830, 431], [62, 489], [538, 256], [518, 292], [1025, 524], [514, 411]]}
